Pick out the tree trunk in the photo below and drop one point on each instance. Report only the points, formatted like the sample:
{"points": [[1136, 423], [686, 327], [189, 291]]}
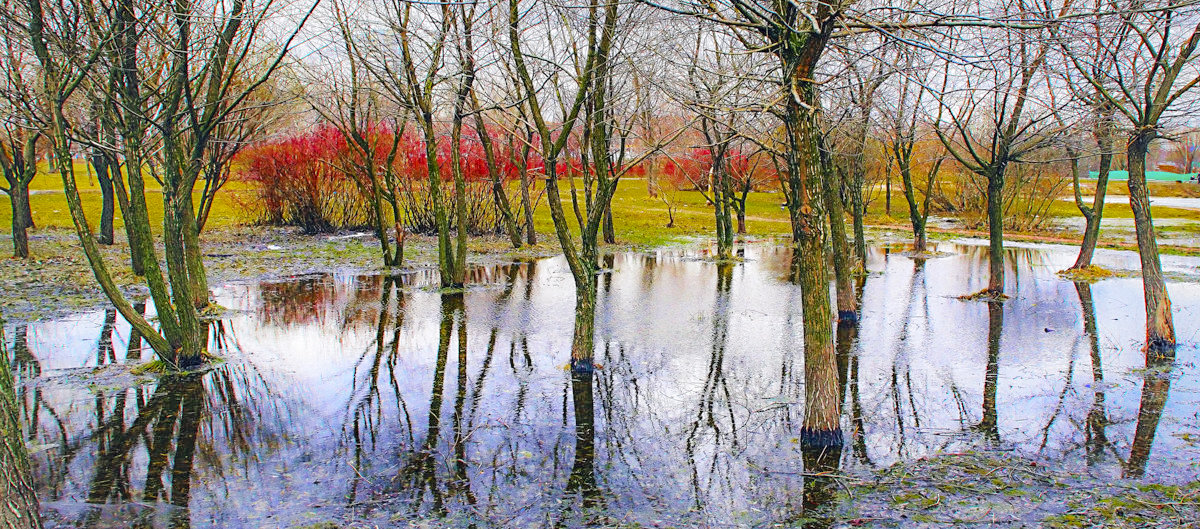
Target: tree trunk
{"points": [[995, 209], [1093, 215], [197, 275], [822, 409], [187, 349], [847, 304], [859, 211], [887, 198], [610, 235], [1160, 329], [721, 197], [103, 176], [20, 203], [381, 224], [26, 208], [527, 206], [18, 501]]}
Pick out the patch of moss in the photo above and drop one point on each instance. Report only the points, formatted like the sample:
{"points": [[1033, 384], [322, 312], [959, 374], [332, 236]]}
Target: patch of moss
{"points": [[153, 367], [1090, 273], [984, 295]]}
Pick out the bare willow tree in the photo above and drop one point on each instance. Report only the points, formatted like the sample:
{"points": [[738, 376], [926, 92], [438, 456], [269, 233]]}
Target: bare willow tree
{"points": [[601, 22], [18, 159], [411, 59], [1146, 70], [796, 35], [906, 127], [717, 82], [184, 102], [994, 119], [350, 100], [582, 94], [19, 134]]}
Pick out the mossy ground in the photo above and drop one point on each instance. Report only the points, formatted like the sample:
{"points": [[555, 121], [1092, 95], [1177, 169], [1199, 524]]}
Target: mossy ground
{"points": [[1002, 490]]}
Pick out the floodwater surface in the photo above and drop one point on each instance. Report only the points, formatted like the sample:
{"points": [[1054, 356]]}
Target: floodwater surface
{"points": [[368, 401]]}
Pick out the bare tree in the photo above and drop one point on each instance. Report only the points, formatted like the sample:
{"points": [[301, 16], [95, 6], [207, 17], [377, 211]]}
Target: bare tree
{"points": [[995, 120], [411, 62], [906, 127], [19, 137], [188, 107], [348, 100], [1146, 70], [796, 36]]}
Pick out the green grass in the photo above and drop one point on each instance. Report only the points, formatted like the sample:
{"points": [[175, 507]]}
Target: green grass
{"points": [[641, 220]]}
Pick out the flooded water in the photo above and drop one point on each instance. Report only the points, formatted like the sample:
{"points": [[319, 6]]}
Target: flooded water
{"points": [[364, 402]]}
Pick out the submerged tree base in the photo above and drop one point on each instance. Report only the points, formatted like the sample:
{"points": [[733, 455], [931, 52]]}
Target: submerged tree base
{"points": [[160, 367]]}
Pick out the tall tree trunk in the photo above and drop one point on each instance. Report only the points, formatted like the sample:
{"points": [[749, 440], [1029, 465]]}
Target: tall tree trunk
{"points": [[197, 275], [527, 207], [859, 211], [995, 211], [1091, 230], [847, 303], [18, 501], [26, 207], [610, 235], [1160, 329], [887, 198], [822, 409], [176, 211]]}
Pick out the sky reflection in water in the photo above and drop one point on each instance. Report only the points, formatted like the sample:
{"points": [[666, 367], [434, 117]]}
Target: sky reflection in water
{"points": [[323, 410]]}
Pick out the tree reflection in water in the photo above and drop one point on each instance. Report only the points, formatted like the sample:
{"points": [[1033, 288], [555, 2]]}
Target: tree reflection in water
{"points": [[1156, 384], [690, 412]]}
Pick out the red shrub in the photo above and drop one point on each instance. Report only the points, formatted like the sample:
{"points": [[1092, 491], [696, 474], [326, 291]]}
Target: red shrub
{"points": [[317, 181]]}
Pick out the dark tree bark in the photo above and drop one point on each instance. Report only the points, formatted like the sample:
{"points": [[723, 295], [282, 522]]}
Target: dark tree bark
{"points": [[101, 164], [20, 166], [1093, 214]]}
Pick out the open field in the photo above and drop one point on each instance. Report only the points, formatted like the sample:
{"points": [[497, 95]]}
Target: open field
{"points": [[642, 219]]}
